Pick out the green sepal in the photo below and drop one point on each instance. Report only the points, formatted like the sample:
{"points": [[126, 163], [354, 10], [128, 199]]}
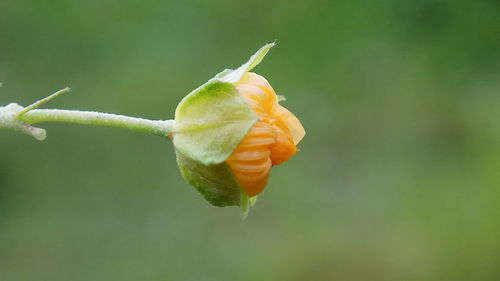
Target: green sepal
{"points": [[246, 203], [253, 200], [233, 76], [216, 183], [211, 121]]}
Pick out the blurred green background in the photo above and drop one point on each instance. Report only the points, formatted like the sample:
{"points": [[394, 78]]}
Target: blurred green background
{"points": [[398, 177]]}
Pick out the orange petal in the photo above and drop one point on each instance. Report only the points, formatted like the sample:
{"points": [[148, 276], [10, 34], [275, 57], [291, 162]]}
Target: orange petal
{"points": [[292, 123], [271, 141]]}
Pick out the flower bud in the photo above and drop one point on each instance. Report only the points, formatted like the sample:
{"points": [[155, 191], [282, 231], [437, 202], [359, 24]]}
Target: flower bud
{"points": [[229, 133]]}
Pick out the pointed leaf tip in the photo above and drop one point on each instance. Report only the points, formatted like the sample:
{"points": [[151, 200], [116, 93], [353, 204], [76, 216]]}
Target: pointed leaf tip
{"points": [[258, 56], [235, 75]]}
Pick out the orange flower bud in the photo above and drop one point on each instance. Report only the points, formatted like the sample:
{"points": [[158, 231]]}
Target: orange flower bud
{"points": [[230, 131]]}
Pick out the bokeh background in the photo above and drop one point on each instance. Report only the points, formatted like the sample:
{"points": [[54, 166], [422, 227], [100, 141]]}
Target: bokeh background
{"points": [[398, 177]]}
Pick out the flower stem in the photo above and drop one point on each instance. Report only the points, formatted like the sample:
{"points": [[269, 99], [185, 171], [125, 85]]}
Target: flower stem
{"points": [[157, 127], [18, 118]]}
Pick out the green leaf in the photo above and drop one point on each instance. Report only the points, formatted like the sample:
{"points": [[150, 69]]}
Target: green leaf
{"points": [[216, 183], [211, 121]]}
